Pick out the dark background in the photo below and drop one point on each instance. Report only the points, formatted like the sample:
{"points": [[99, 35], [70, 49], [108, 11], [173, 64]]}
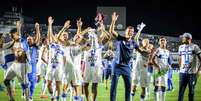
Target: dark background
{"points": [[172, 17]]}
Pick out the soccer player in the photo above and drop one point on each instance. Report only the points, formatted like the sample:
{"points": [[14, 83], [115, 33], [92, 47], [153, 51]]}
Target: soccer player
{"points": [[109, 55], [125, 47], [20, 67], [72, 68], [162, 61], [140, 68], [8, 58], [42, 65], [189, 62], [56, 62], [149, 71]]}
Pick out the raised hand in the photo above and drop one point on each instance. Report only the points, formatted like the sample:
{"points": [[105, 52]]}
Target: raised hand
{"points": [[50, 20], [79, 22], [67, 24], [141, 26], [114, 16], [18, 24], [37, 26]]}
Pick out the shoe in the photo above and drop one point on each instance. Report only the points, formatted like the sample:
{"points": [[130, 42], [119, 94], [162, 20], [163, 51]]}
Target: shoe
{"points": [[30, 99], [23, 96], [52, 99], [43, 96]]}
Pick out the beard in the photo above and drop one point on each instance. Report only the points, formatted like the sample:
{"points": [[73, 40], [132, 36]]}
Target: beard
{"points": [[184, 42]]}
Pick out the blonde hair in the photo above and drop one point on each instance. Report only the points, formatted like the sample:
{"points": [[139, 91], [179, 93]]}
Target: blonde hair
{"points": [[145, 42]]}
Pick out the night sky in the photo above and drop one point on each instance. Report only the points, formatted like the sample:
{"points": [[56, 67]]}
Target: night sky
{"points": [[167, 17]]}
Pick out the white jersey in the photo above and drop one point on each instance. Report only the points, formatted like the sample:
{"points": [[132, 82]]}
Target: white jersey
{"points": [[73, 56], [17, 68], [41, 66], [163, 60], [93, 64], [93, 61], [93, 58], [189, 58], [56, 56], [72, 68], [163, 57]]}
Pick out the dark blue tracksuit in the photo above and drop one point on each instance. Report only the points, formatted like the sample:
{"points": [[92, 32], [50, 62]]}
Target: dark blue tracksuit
{"points": [[122, 67]]}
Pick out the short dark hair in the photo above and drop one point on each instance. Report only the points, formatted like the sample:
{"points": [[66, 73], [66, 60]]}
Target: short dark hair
{"points": [[12, 31], [43, 40], [130, 27]]}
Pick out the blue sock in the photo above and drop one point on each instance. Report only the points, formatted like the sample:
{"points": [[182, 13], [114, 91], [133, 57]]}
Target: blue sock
{"points": [[76, 98], [57, 98], [81, 98], [64, 96]]}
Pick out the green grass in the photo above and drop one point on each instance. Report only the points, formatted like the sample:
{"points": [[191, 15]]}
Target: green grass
{"points": [[103, 94]]}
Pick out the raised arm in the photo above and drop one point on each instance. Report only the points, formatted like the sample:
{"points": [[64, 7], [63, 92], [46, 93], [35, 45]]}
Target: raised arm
{"points": [[140, 28], [79, 34], [50, 31], [65, 27], [37, 40], [112, 26], [43, 56], [104, 33], [79, 28], [19, 26]]}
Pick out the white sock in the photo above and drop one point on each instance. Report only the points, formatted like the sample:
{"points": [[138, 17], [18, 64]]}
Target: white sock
{"points": [[156, 96], [13, 85], [54, 88], [44, 86], [162, 96], [71, 92], [147, 92], [132, 96]]}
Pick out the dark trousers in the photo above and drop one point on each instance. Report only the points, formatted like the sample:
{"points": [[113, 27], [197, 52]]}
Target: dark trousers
{"points": [[184, 80], [126, 74]]}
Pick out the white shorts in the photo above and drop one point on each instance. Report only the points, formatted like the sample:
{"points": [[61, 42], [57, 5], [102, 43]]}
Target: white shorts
{"points": [[72, 74], [93, 75], [161, 81], [42, 69], [54, 74], [139, 74], [20, 70]]}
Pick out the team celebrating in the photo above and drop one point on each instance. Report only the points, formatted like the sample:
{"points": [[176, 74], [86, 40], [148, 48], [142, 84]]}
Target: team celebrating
{"points": [[69, 65]]}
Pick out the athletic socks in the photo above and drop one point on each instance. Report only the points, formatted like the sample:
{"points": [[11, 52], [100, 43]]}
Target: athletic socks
{"points": [[132, 96], [81, 98], [142, 98], [64, 96], [44, 86], [162, 96], [156, 96], [147, 92], [57, 98], [75, 98], [159, 96]]}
